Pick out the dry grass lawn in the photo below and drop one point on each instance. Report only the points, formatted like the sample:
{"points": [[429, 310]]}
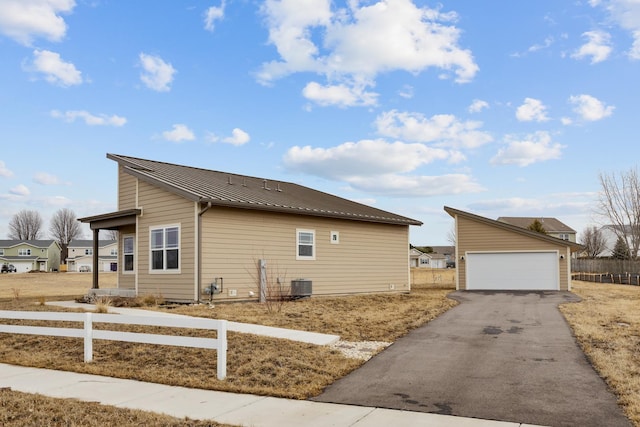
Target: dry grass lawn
{"points": [[256, 364], [50, 285], [607, 325]]}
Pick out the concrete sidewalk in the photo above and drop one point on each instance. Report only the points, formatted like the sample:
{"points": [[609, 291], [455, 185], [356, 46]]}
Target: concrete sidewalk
{"points": [[227, 408], [269, 331]]}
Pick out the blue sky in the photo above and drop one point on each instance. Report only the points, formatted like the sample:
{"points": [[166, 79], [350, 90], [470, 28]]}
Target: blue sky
{"points": [[499, 108]]}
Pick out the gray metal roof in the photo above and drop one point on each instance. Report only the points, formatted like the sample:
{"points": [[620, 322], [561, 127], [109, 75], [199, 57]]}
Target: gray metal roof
{"points": [[246, 192], [35, 243]]}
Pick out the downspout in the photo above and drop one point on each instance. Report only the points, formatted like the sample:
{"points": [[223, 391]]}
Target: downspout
{"points": [[199, 245]]}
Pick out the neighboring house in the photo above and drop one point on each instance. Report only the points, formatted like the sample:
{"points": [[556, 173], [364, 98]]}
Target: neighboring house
{"points": [[181, 229], [81, 255], [553, 226], [496, 255], [419, 259], [31, 255]]}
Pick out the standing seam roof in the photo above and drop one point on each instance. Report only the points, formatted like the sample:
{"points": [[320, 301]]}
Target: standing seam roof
{"points": [[240, 191]]}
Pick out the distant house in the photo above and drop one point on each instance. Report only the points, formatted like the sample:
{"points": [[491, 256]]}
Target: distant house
{"points": [[81, 255], [31, 255], [553, 227], [419, 259], [610, 235], [194, 234]]}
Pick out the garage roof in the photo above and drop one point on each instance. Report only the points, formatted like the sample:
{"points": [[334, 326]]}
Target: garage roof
{"points": [[513, 228]]}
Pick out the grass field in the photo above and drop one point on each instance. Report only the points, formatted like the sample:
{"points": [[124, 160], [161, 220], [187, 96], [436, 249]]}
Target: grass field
{"points": [[50, 285], [607, 325]]}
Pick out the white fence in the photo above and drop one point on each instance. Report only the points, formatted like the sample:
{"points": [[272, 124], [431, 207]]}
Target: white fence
{"points": [[89, 334]]}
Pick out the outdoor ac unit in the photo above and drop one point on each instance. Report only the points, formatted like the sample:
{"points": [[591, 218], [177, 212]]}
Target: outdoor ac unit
{"points": [[300, 288]]}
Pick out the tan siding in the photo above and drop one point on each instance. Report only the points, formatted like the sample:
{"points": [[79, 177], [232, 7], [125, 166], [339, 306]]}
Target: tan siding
{"points": [[161, 208], [368, 258], [476, 236], [126, 190]]}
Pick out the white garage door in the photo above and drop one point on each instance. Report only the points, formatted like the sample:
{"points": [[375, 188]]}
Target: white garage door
{"points": [[22, 266], [512, 271]]}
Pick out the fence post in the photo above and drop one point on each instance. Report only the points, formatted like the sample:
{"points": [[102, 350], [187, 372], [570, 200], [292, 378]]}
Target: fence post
{"points": [[222, 350], [88, 338]]}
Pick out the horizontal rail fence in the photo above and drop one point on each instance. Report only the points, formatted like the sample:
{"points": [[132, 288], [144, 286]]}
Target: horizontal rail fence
{"points": [[89, 334], [624, 272]]}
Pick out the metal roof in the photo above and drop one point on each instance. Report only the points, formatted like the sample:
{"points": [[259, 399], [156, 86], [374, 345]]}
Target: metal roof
{"points": [[246, 192]]}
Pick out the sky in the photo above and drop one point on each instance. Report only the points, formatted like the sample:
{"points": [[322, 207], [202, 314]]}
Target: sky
{"points": [[500, 108]]}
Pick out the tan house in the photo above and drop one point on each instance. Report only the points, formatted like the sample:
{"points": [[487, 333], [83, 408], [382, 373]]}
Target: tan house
{"points": [[419, 259], [30, 255], [495, 255], [80, 257], [553, 226], [186, 232]]}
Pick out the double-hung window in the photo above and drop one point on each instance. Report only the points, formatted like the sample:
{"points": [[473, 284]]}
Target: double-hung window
{"points": [[88, 251], [24, 252], [306, 244], [165, 248], [128, 251]]}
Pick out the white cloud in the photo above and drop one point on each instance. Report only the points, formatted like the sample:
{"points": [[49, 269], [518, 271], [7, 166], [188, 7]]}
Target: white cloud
{"points": [[626, 13], [24, 20], [533, 148], [213, 14], [590, 108], [89, 119], [46, 179], [157, 74], [20, 190], [238, 137], [4, 171], [597, 47], [566, 121], [406, 92], [179, 133], [532, 110], [339, 95], [393, 185], [362, 158], [380, 167], [548, 41], [444, 130], [478, 105], [352, 45], [55, 70]]}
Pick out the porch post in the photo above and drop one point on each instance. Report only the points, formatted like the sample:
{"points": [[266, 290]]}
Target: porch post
{"points": [[95, 258]]}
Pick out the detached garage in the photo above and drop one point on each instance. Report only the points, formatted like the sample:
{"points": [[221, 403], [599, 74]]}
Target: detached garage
{"points": [[493, 255]]}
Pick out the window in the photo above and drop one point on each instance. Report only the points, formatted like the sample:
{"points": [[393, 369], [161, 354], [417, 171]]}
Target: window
{"points": [[306, 244], [165, 248], [424, 261], [114, 252], [335, 237], [127, 250], [24, 252], [1, 251], [564, 236], [88, 251]]}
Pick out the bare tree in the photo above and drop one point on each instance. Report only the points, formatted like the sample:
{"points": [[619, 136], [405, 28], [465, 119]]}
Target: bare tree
{"points": [[451, 236], [64, 228], [25, 225], [593, 241], [619, 203], [110, 234]]}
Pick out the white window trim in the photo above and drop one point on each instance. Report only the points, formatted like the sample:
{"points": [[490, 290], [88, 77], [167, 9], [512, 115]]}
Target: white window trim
{"points": [[335, 238], [24, 252], [125, 236], [179, 248], [1, 251], [313, 246]]}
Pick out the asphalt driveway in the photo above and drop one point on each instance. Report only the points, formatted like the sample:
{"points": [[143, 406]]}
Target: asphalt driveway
{"points": [[507, 356]]}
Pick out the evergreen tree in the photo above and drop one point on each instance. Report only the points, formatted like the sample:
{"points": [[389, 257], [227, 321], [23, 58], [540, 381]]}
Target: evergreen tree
{"points": [[621, 249], [537, 227]]}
